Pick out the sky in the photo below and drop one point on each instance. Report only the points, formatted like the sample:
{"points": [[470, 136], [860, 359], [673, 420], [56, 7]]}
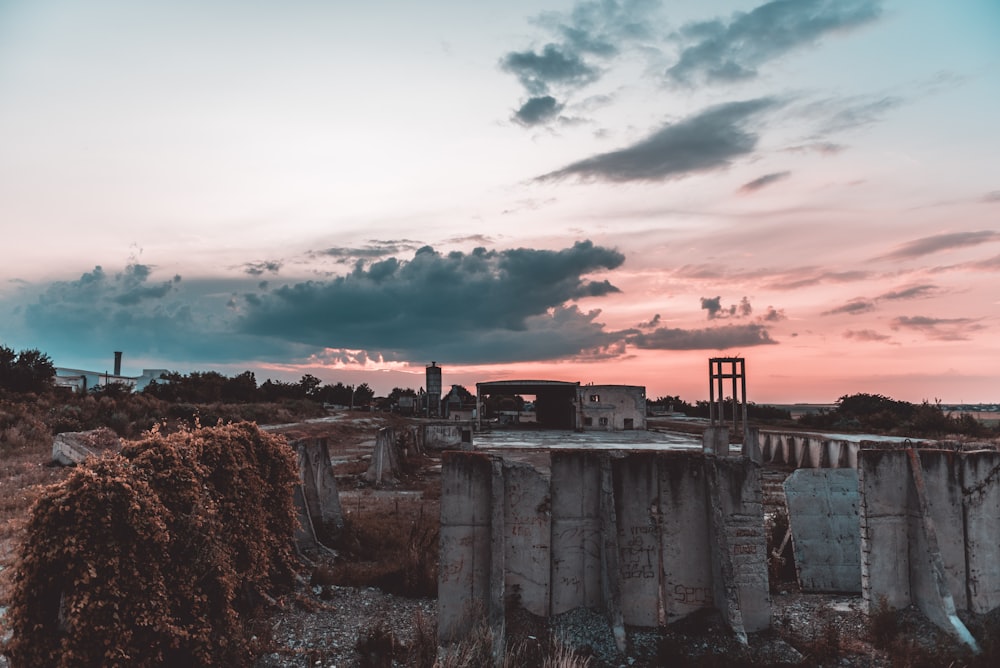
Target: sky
{"points": [[606, 191]]}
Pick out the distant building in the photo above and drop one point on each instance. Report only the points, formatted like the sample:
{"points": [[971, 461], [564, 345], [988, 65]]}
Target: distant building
{"points": [[83, 381], [612, 407], [566, 405]]}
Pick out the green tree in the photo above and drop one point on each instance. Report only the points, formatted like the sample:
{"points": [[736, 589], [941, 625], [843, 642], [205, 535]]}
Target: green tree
{"points": [[27, 371]]}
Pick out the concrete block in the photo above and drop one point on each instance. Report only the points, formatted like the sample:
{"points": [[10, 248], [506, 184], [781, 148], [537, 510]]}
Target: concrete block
{"points": [[825, 521], [73, 447], [319, 488]]}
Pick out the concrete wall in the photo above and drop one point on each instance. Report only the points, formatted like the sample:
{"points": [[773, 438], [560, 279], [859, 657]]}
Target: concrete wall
{"points": [[930, 531], [446, 436], [647, 537]]}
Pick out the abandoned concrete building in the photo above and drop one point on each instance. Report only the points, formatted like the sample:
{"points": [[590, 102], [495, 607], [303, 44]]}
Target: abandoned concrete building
{"points": [[648, 536], [569, 405]]}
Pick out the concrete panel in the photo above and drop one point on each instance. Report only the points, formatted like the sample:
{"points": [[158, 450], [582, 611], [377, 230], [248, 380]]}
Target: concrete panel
{"points": [[636, 501], [824, 517], [741, 503], [942, 473], [576, 531], [465, 547], [319, 487], [738, 551], [980, 474], [684, 533], [528, 532], [884, 484]]}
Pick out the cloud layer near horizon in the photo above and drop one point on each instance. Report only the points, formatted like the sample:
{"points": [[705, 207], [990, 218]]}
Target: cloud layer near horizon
{"points": [[480, 307]]}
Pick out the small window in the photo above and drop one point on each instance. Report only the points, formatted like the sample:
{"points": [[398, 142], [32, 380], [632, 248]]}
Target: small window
{"points": [[595, 398], [588, 422], [603, 422], [629, 424]]}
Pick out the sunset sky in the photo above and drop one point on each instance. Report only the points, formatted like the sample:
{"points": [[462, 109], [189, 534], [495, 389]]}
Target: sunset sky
{"points": [[602, 191]]}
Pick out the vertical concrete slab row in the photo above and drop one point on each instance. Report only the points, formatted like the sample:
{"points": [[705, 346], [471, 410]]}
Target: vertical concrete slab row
{"points": [[629, 533], [801, 450]]}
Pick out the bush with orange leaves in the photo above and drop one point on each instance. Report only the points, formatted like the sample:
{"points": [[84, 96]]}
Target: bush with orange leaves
{"points": [[156, 556]]}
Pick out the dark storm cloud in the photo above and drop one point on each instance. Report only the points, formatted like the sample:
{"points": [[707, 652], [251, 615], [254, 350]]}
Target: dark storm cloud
{"points": [[716, 311], [706, 141], [940, 242], [853, 307], [456, 302], [581, 42], [127, 311], [727, 50], [652, 324], [939, 329], [764, 181], [538, 110], [712, 338]]}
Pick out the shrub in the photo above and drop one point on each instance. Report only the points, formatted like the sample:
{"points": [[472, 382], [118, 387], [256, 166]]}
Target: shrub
{"points": [[151, 557]]}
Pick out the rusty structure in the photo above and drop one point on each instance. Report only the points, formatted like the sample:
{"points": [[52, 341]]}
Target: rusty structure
{"points": [[720, 370]]}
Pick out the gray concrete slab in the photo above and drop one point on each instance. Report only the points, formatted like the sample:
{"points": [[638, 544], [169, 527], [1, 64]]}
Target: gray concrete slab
{"points": [[825, 520]]}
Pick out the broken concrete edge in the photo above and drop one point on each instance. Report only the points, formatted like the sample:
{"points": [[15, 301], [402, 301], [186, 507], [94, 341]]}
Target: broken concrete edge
{"points": [[477, 538]]}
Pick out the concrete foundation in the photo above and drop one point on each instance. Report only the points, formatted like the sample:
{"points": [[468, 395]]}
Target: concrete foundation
{"points": [[647, 537]]}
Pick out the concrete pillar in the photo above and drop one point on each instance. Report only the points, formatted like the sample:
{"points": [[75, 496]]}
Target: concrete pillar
{"points": [[715, 441], [751, 445], [611, 580], [740, 554]]}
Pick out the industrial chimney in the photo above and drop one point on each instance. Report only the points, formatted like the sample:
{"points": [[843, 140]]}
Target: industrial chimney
{"points": [[118, 363]]}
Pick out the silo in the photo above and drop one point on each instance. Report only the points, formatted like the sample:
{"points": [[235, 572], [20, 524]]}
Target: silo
{"points": [[433, 390]]}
